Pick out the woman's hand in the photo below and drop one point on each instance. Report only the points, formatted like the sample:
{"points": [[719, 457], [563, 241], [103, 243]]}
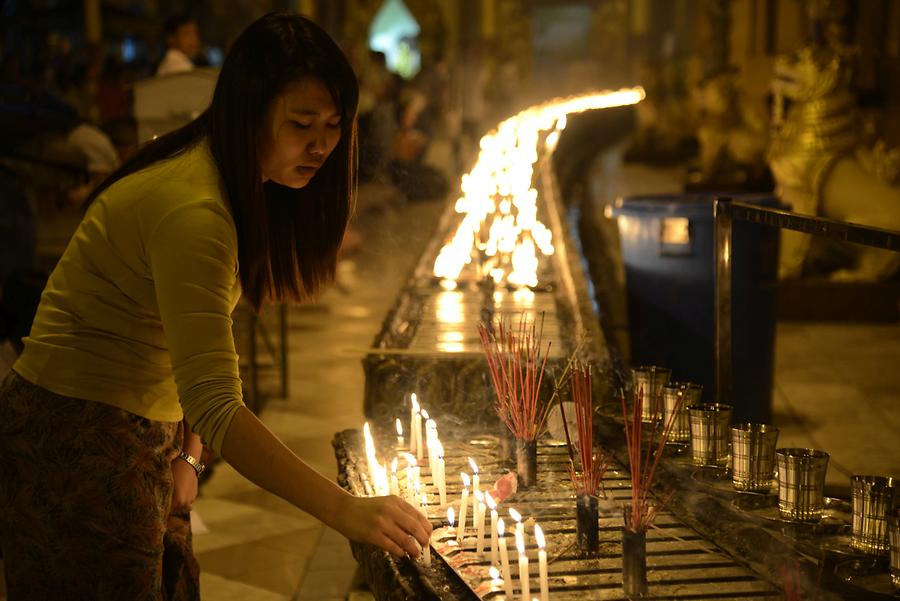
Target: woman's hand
{"points": [[387, 522], [184, 477]]}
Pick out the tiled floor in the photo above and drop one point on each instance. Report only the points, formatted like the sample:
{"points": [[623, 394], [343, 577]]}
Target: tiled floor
{"points": [[837, 388]]}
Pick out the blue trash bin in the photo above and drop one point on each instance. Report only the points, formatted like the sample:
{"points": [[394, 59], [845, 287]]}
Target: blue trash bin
{"points": [[668, 251]]}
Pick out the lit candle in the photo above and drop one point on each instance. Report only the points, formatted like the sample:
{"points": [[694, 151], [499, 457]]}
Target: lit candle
{"points": [[399, 426], [451, 517], [493, 507], [410, 478], [462, 506], [427, 549], [520, 527], [430, 435], [542, 563], [395, 484], [504, 558], [523, 568], [420, 446], [475, 479], [494, 573], [413, 418], [479, 498]]}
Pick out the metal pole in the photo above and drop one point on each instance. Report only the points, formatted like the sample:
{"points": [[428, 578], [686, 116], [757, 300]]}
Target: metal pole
{"points": [[722, 218]]}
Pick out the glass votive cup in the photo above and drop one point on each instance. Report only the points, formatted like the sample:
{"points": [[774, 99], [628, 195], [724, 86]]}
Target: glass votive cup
{"points": [[648, 381], [801, 483], [753, 457], [710, 425], [872, 498], [893, 525]]}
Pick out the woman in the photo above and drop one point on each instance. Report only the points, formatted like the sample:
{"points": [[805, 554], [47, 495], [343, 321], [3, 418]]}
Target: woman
{"points": [[133, 333]]}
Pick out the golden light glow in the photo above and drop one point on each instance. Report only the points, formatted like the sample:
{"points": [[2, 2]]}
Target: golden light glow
{"points": [[499, 227]]}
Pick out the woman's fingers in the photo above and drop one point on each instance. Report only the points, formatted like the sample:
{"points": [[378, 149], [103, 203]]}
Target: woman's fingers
{"points": [[388, 545], [403, 539], [413, 522]]}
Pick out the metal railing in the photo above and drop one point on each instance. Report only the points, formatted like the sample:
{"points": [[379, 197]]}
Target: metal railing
{"points": [[725, 212]]}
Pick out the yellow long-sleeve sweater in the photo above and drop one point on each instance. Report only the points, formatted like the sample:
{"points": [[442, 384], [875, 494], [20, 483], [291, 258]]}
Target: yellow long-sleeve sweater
{"points": [[137, 313]]}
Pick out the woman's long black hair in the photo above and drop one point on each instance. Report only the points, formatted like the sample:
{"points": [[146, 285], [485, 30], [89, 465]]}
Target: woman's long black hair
{"points": [[288, 239]]}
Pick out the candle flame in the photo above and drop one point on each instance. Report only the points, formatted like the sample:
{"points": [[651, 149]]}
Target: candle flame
{"points": [[494, 572], [515, 515], [451, 516], [410, 459], [399, 427], [490, 501], [424, 499], [440, 449], [497, 201], [501, 526], [474, 467], [424, 415], [539, 536], [520, 542], [394, 466], [415, 402], [465, 478], [479, 497]]}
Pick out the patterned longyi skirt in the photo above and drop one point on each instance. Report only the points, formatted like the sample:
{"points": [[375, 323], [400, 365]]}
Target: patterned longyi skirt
{"points": [[85, 490]]}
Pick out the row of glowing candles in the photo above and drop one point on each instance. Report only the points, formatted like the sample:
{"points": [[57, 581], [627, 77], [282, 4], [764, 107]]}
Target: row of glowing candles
{"points": [[481, 502]]}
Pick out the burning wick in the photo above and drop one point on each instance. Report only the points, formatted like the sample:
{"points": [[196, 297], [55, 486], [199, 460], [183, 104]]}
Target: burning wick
{"points": [[451, 518], [493, 507], [542, 563]]}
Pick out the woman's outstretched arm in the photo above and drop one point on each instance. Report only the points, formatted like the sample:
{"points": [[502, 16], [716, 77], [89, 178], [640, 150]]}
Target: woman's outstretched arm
{"points": [[388, 522]]}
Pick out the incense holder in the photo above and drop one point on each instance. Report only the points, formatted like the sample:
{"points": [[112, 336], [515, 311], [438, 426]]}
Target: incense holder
{"points": [[586, 527], [526, 462], [634, 563]]}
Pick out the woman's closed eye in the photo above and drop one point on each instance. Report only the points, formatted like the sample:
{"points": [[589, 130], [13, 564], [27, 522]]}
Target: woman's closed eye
{"points": [[300, 125]]}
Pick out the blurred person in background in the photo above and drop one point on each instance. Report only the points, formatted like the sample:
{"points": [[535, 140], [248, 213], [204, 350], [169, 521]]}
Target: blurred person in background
{"points": [[182, 45]]}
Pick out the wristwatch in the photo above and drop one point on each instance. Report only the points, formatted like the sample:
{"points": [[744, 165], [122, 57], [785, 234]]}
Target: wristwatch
{"points": [[193, 462]]}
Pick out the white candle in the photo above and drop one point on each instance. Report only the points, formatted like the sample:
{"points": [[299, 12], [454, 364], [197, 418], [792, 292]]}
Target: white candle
{"points": [[413, 418], [427, 549], [493, 507], [542, 563], [451, 518], [395, 484], [399, 426], [430, 435], [410, 478], [475, 479], [504, 558], [496, 581], [442, 480], [520, 527], [523, 568], [420, 446], [479, 499], [462, 506]]}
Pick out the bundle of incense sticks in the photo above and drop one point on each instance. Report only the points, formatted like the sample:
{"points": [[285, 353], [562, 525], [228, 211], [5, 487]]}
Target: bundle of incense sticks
{"points": [[517, 370], [643, 458], [593, 465]]}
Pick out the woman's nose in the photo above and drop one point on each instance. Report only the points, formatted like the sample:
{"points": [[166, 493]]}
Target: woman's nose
{"points": [[317, 145]]}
